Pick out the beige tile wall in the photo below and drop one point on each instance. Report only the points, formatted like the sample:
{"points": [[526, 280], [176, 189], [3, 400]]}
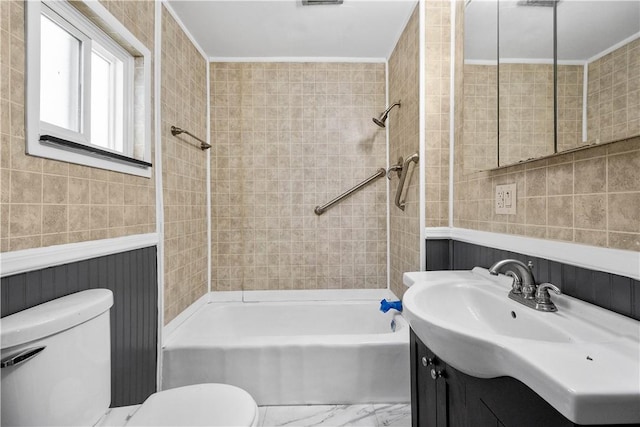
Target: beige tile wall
{"points": [[613, 102], [288, 137], [437, 104], [45, 202], [184, 168], [403, 124], [590, 196], [460, 155]]}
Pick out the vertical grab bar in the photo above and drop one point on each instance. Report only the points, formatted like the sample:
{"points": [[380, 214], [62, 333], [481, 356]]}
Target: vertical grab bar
{"points": [[405, 169]]}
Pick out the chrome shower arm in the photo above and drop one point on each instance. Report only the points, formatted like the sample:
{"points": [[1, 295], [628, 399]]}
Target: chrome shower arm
{"points": [[386, 112], [383, 117]]}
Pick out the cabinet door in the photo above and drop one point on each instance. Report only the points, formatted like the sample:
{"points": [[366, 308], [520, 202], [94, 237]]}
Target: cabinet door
{"points": [[423, 388], [455, 398], [511, 403], [479, 413], [442, 395]]}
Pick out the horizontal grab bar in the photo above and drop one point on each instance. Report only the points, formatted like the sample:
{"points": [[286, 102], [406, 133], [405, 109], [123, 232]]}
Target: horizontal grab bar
{"points": [[319, 210], [177, 131], [405, 169]]}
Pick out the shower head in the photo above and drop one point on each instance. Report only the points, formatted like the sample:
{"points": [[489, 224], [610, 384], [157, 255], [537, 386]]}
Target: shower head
{"points": [[380, 122], [383, 117]]}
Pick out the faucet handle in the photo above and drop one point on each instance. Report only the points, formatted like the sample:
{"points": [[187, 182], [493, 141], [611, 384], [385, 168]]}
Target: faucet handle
{"points": [[516, 286], [542, 293]]}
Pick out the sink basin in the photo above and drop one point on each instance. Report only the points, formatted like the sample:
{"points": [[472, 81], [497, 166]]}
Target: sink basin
{"points": [[582, 359], [479, 310]]}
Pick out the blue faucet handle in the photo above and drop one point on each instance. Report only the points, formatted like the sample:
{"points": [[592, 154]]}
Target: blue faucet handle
{"points": [[388, 305]]}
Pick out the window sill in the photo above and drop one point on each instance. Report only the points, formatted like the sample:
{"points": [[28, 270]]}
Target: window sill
{"points": [[92, 151], [54, 148]]}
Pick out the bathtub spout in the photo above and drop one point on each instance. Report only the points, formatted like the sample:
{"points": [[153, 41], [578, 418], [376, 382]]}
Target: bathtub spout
{"points": [[388, 305]]}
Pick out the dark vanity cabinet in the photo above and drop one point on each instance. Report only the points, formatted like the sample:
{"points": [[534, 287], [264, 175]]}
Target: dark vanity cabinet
{"points": [[442, 396], [436, 396]]}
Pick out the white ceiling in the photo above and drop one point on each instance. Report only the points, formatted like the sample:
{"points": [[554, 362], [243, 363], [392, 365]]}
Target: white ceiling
{"points": [[356, 29], [585, 28]]}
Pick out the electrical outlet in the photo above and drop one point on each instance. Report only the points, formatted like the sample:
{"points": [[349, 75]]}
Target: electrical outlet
{"points": [[500, 198], [506, 199]]}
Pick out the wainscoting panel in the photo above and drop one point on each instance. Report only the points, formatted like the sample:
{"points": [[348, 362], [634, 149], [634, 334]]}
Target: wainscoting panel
{"points": [[438, 254], [134, 316], [606, 290]]}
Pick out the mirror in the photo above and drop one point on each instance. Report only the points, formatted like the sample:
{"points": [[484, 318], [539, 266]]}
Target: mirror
{"points": [[525, 80], [508, 82], [480, 88], [598, 78], [598, 71]]}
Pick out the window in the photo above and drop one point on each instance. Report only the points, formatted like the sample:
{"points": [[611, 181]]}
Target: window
{"points": [[87, 102]]}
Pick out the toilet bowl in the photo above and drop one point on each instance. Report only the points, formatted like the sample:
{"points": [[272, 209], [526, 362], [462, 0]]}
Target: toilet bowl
{"points": [[55, 363], [197, 405]]}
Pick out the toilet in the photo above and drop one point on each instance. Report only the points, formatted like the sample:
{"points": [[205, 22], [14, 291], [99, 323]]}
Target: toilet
{"points": [[55, 362]]}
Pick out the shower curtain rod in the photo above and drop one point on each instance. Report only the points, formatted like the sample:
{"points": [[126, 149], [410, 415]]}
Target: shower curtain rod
{"points": [[177, 131]]}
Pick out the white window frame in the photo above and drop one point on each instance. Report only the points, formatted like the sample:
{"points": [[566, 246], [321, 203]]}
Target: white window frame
{"points": [[110, 54], [80, 136], [135, 124]]}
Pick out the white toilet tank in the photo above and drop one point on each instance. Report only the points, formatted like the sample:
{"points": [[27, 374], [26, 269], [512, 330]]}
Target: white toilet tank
{"points": [[68, 382]]}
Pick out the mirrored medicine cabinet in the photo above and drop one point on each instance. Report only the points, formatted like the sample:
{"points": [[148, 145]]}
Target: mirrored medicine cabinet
{"points": [[546, 76]]}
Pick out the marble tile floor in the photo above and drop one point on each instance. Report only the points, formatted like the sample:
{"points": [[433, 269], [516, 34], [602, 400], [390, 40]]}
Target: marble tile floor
{"points": [[376, 415]]}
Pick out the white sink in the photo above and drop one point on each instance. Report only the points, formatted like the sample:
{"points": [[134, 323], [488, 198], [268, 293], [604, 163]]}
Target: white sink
{"points": [[582, 359]]}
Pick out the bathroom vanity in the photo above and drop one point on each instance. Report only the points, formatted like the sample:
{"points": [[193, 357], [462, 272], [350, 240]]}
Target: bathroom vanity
{"points": [[479, 358], [442, 396]]}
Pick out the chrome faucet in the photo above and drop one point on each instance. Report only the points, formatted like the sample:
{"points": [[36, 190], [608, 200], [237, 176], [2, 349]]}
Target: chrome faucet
{"points": [[524, 289], [523, 281]]}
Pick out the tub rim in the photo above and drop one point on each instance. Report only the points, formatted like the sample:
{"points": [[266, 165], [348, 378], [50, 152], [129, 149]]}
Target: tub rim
{"points": [[292, 295]]}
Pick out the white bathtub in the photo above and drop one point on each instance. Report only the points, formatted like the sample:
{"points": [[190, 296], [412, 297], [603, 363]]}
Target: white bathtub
{"points": [[288, 353]]}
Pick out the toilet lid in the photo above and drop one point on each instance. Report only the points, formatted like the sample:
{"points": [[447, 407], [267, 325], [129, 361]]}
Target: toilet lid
{"points": [[197, 405]]}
